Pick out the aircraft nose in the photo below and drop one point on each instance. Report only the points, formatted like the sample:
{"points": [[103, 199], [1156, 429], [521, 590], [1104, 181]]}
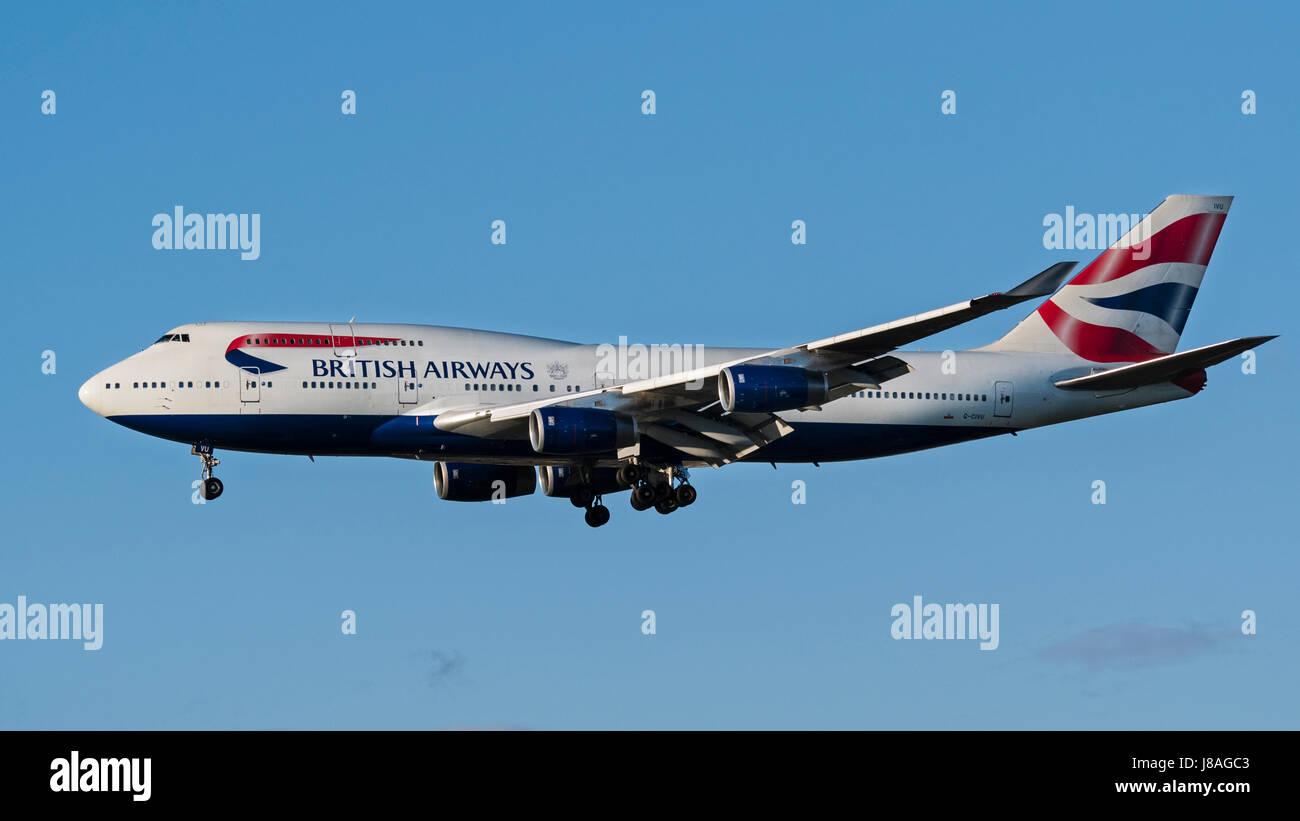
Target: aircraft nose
{"points": [[90, 394]]}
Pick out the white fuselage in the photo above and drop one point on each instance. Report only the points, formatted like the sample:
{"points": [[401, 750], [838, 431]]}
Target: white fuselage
{"points": [[316, 388]]}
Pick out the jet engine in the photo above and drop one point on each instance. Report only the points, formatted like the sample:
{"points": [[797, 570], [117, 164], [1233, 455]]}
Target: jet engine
{"points": [[569, 431], [468, 482], [770, 388], [562, 480]]}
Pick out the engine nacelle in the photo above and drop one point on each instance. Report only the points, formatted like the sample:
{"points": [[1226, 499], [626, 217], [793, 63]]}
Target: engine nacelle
{"points": [[468, 482], [561, 480], [566, 431], [768, 388]]}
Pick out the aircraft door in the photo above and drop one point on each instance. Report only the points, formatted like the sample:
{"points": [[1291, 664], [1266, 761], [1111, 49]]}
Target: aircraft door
{"points": [[408, 390], [345, 344], [1002, 399], [250, 385]]}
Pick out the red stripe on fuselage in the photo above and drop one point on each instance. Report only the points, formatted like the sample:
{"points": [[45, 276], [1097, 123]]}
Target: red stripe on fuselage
{"points": [[278, 340]]}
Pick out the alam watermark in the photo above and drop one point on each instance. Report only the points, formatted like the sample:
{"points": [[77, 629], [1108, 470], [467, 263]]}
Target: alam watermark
{"points": [[629, 362], [946, 621], [179, 231], [74, 622], [1093, 232]]}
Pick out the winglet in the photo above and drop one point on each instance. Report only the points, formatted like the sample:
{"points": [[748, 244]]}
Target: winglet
{"points": [[1044, 283]]}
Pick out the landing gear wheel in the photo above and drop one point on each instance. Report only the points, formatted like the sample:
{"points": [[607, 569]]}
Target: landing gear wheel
{"points": [[597, 515], [645, 495], [629, 474], [211, 485], [212, 488], [685, 495], [666, 506], [663, 491], [582, 497], [638, 504]]}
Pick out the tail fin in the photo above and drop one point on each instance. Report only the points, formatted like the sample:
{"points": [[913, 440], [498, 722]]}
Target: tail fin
{"points": [[1130, 303]]}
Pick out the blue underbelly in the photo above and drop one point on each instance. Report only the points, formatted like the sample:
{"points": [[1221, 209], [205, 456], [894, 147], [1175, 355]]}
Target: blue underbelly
{"points": [[367, 435]]}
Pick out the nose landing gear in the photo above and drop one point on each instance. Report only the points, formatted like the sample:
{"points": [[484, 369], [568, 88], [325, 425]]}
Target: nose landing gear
{"points": [[212, 486]]}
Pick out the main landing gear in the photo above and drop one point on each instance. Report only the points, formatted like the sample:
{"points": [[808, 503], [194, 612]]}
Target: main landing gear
{"points": [[212, 486], [653, 487]]}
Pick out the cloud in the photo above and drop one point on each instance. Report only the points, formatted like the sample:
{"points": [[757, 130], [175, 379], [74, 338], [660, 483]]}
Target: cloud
{"points": [[444, 666], [1133, 644]]}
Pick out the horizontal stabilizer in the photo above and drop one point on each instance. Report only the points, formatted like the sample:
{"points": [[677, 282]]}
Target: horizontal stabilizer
{"points": [[1164, 368]]}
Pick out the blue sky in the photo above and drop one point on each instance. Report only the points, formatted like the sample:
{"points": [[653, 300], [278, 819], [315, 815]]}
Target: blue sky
{"points": [[672, 227]]}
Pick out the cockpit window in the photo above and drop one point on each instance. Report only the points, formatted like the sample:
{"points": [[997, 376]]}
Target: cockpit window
{"points": [[173, 338]]}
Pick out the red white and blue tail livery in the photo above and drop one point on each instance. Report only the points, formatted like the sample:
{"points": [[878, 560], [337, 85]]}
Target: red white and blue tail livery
{"points": [[1131, 303]]}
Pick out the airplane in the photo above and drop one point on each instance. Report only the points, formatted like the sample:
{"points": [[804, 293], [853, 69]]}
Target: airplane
{"points": [[493, 410]]}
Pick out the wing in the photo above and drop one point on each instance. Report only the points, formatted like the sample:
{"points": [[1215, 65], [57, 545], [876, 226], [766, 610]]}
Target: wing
{"points": [[682, 411]]}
